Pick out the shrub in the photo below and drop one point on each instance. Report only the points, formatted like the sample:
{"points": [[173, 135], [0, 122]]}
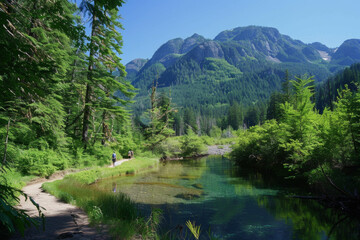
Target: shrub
{"points": [[170, 147], [191, 144], [41, 162]]}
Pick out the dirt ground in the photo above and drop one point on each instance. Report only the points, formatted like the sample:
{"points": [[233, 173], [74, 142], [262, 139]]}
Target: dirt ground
{"points": [[62, 220]]}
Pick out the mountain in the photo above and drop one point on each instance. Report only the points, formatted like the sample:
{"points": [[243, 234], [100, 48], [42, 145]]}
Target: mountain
{"points": [[348, 53], [134, 66], [244, 64], [268, 43]]}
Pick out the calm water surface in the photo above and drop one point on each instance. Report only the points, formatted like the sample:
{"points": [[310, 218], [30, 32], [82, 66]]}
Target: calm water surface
{"points": [[231, 202]]}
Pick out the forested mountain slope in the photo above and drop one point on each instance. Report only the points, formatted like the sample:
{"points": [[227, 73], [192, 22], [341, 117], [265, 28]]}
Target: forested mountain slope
{"points": [[245, 64], [328, 91]]}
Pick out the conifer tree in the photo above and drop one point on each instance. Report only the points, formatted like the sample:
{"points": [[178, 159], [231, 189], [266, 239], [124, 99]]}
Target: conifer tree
{"points": [[160, 118], [36, 42], [235, 116], [104, 46]]}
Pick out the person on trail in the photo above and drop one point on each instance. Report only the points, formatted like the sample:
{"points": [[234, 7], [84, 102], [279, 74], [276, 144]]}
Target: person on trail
{"points": [[129, 154], [114, 158], [132, 154], [114, 187]]}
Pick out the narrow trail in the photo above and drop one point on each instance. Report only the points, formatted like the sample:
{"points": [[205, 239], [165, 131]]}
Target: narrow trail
{"points": [[62, 220]]}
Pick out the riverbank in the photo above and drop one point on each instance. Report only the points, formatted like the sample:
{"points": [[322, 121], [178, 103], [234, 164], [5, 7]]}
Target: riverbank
{"points": [[64, 220], [74, 222]]}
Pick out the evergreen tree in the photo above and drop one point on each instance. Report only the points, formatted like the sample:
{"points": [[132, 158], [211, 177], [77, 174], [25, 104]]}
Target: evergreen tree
{"points": [[104, 46], [36, 40], [235, 116], [160, 119], [301, 122], [190, 120]]}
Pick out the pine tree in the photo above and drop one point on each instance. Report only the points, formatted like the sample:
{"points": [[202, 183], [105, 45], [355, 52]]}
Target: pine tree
{"points": [[104, 46], [161, 118], [235, 116], [36, 40]]}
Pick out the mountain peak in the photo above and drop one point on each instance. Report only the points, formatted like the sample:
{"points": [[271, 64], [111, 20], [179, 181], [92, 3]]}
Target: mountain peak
{"points": [[192, 42], [348, 52], [172, 46], [195, 35], [247, 33], [135, 65]]}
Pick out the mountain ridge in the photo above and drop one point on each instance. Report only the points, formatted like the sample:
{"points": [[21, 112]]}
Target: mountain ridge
{"points": [[251, 59]]}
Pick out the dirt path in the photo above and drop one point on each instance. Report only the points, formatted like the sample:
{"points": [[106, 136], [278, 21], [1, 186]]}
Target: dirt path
{"points": [[63, 221]]}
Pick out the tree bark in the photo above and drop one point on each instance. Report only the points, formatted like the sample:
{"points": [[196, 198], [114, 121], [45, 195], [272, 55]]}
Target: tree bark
{"points": [[6, 141]]}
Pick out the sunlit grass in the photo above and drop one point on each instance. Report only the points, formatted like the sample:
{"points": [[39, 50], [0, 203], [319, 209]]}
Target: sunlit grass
{"points": [[129, 167]]}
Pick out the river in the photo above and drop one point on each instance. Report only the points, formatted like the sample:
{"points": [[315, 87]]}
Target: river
{"points": [[230, 202]]}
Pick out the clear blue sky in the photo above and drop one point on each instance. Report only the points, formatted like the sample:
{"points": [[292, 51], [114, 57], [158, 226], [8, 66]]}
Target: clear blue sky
{"points": [[150, 23]]}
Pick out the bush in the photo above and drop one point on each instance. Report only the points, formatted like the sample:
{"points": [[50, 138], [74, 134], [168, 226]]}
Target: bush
{"points": [[124, 144], [41, 162], [260, 146], [169, 148], [191, 144], [215, 132]]}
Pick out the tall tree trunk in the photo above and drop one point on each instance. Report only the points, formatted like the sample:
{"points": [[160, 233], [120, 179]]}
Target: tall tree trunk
{"points": [[87, 109], [105, 129], [6, 141], [87, 113]]}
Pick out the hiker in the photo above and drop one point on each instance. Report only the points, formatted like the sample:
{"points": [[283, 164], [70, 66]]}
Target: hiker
{"points": [[130, 154], [114, 187], [114, 158]]}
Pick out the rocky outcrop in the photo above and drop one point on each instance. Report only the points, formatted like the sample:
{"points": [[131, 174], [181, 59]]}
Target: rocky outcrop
{"points": [[135, 65], [191, 42], [171, 47], [209, 49]]}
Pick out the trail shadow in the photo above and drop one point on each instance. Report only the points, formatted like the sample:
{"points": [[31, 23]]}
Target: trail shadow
{"points": [[63, 226]]}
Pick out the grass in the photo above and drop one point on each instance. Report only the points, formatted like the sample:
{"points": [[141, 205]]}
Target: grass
{"points": [[112, 209], [15, 178], [133, 166]]}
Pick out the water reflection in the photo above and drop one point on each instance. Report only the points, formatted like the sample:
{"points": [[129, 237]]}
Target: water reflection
{"points": [[234, 204]]}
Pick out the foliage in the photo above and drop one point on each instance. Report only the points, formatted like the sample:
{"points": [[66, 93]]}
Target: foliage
{"points": [[104, 45], [169, 148], [305, 142], [191, 144], [11, 218], [160, 119], [328, 91], [261, 146], [42, 162]]}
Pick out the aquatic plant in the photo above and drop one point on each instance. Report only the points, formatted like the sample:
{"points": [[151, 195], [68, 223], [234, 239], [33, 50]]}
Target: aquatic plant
{"points": [[195, 230]]}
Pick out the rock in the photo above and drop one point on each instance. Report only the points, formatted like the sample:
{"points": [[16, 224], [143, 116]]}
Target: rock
{"points": [[187, 196], [198, 186]]}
